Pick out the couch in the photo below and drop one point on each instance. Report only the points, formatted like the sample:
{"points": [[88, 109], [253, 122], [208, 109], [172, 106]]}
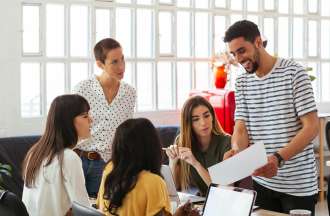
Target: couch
{"points": [[14, 149]]}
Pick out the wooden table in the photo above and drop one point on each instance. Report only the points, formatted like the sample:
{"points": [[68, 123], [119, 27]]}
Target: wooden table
{"points": [[262, 212], [322, 120]]}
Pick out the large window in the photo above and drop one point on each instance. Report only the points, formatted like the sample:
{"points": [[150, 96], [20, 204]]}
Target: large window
{"points": [[167, 44]]}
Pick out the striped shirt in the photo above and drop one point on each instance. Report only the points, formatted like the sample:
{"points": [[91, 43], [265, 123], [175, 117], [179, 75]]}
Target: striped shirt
{"points": [[271, 107]]}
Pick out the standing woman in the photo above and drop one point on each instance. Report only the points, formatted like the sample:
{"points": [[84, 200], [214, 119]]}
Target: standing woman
{"points": [[112, 101], [200, 144], [52, 172]]}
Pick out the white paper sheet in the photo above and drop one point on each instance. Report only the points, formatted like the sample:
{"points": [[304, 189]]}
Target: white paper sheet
{"points": [[239, 166]]}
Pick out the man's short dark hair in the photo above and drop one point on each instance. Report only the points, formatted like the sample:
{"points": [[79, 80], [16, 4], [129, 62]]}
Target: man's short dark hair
{"points": [[243, 28], [102, 48]]}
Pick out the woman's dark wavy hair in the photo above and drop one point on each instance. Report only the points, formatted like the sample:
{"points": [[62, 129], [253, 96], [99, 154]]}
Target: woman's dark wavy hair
{"points": [[136, 147], [60, 133]]}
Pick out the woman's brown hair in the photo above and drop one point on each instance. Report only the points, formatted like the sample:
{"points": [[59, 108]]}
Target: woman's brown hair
{"points": [[60, 133], [187, 137]]}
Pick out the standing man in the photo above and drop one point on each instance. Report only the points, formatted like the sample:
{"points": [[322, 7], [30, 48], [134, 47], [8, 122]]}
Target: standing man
{"points": [[275, 105]]}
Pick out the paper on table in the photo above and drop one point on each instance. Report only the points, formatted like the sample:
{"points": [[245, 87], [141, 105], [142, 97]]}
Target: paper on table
{"points": [[239, 166]]}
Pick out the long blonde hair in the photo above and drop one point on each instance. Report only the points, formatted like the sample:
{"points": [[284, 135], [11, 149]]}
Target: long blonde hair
{"points": [[187, 138]]}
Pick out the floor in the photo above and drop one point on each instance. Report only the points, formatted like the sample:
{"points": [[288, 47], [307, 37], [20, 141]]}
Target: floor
{"points": [[322, 209]]}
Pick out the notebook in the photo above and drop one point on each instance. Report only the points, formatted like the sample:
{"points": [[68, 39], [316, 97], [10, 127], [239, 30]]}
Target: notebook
{"points": [[225, 200], [179, 197]]}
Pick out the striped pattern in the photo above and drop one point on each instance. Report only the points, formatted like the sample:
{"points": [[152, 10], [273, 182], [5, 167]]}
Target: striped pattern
{"points": [[271, 107]]}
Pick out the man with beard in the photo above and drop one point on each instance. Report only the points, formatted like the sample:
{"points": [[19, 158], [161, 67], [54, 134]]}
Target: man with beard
{"points": [[275, 105]]}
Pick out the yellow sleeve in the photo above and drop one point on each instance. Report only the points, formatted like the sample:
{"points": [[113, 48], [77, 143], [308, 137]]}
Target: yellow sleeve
{"points": [[158, 197], [100, 201]]}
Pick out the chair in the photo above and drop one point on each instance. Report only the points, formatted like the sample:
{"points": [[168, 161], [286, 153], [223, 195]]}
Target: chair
{"points": [[80, 210], [11, 205]]}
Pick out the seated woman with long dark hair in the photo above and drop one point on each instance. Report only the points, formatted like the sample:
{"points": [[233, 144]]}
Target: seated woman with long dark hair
{"points": [[52, 171], [201, 143], [131, 182]]}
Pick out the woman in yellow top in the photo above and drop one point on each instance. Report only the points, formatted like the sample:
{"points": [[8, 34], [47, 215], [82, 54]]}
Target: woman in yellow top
{"points": [[131, 182]]}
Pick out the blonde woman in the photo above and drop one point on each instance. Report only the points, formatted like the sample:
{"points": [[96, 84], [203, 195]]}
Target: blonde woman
{"points": [[200, 144]]}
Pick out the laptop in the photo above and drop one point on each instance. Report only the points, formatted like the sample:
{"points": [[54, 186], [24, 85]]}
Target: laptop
{"points": [[179, 197], [225, 200]]}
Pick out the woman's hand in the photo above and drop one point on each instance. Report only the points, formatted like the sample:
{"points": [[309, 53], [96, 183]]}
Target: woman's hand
{"points": [[186, 210], [172, 152], [186, 155]]}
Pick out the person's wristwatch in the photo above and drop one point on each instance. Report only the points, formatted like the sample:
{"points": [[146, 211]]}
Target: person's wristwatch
{"points": [[279, 159]]}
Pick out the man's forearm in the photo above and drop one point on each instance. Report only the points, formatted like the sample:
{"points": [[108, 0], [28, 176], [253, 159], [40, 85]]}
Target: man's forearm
{"points": [[308, 132], [240, 137]]}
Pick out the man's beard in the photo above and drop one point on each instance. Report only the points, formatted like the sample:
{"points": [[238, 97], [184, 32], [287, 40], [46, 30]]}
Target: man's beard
{"points": [[255, 64], [255, 67]]}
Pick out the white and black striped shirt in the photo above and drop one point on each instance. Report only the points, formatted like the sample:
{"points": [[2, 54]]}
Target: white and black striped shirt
{"points": [[271, 107]]}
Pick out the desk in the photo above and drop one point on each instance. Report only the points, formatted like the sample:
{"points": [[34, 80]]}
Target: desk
{"points": [[262, 212], [322, 117]]}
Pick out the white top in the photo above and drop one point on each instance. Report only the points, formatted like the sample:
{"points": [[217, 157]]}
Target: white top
{"points": [[53, 196], [106, 117], [271, 107]]}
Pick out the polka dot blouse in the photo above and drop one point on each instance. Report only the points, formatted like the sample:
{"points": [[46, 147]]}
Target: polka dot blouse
{"points": [[106, 117]]}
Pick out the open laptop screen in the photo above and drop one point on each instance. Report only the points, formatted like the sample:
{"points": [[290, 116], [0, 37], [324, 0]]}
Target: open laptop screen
{"points": [[223, 200]]}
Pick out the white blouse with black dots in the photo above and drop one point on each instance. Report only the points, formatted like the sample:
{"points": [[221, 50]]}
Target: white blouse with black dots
{"points": [[106, 117]]}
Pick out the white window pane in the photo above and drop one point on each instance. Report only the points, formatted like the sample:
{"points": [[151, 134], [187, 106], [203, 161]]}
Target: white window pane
{"points": [[325, 8], [165, 32], [145, 32], [314, 67], [283, 37], [164, 85], [269, 34], [201, 35], [202, 75], [298, 6], [183, 37], [253, 18], [30, 90], [201, 4], [183, 82], [166, 1], [253, 5], [102, 24], [79, 72], [145, 2], [79, 30], [128, 76], [283, 6], [235, 17], [312, 38], [312, 6], [96, 70], [220, 3], [325, 77], [31, 31], [144, 86], [298, 35], [269, 4], [124, 1], [325, 42], [183, 3], [124, 30], [55, 30], [219, 32], [236, 5], [55, 81]]}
